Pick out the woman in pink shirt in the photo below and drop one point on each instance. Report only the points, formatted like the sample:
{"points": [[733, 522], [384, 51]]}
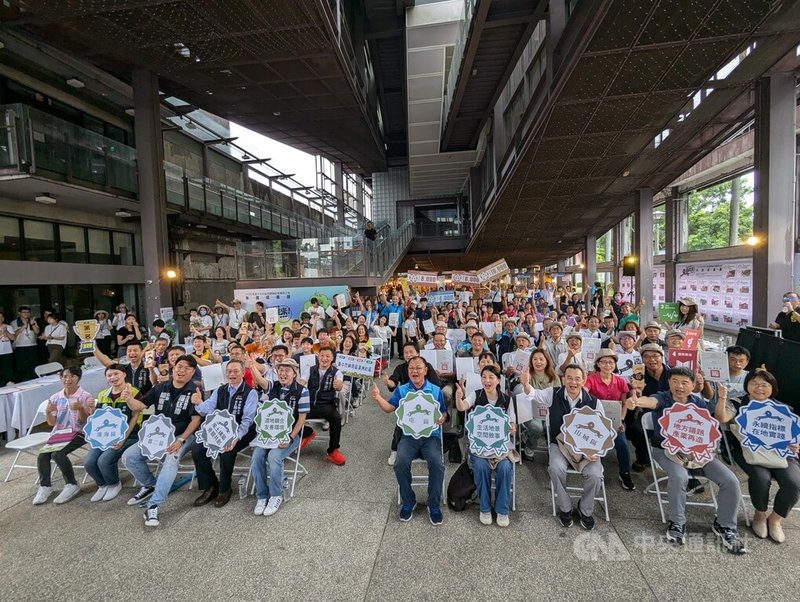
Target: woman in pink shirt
{"points": [[606, 385]]}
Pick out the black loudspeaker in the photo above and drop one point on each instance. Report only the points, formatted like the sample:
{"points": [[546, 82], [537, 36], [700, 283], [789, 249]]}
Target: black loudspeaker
{"points": [[629, 266]]}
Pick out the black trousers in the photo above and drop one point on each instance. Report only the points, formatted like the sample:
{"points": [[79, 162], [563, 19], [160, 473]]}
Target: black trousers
{"points": [[204, 465], [61, 458], [25, 360], [331, 414], [636, 435], [397, 342]]}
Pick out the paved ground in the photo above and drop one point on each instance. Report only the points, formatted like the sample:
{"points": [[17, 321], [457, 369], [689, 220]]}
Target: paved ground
{"points": [[339, 539]]}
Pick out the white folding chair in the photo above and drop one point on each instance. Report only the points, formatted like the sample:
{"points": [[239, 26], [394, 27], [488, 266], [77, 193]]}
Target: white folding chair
{"points": [[421, 480], [576, 492], [48, 369], [527, 410], [91, 362], [294, 475], [655, 486]]}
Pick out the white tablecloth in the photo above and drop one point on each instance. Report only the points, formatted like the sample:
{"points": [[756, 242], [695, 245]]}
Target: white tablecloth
{"points": [[18, 403]]}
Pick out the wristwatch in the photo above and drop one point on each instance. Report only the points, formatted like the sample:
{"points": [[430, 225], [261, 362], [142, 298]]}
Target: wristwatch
{"points": [[181, 440]]}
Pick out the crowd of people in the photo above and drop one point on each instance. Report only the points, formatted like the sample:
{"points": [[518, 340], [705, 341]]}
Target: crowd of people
{"points": [[550, 324]]}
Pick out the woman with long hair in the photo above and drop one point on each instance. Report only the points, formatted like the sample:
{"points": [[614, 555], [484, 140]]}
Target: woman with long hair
{"points": [[541, 374]]}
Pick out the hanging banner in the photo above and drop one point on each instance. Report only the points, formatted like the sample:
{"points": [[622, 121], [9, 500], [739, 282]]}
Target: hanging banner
{"points": [[352, 365], [426, 278], [493, 271], [468, 278]]}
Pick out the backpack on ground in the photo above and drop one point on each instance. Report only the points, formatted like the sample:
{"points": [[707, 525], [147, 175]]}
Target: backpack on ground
{"points": [[461, 488]]}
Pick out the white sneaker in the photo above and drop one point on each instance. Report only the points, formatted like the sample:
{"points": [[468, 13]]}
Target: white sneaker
{"points": [[326, 426], [274, 503], [41, 495], [151, 517], [261, 505], [502, 520], [112, 491], [392, 458], [69, 492], [98, 495], [486, 518]]}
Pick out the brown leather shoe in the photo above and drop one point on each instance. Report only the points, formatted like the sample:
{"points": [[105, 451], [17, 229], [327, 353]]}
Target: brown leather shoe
{"points": [[222, 499], [205, 497]]}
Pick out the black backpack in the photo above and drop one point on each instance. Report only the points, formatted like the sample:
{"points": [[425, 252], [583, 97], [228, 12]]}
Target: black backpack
{"points": [[461, 488]]}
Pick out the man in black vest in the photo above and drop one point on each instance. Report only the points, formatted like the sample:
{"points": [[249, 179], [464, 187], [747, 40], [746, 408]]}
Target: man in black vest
{"points": [[562, 401], [324, 383], [241, 401], [136, 373]]}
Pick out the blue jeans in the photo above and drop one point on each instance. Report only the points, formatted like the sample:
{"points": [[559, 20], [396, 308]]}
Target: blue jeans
{"points": [[623, 453], [102, 465], [430, 450], [136, 463], [266, 488], [503, 475]]}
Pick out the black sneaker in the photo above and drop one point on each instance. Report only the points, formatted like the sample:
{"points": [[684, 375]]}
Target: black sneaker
{"points": [[151, 517], [565, 518], [587, 522], [676, 533], [639, 467], [695, 486], [729, 538], [141, 496], [627, 481]]}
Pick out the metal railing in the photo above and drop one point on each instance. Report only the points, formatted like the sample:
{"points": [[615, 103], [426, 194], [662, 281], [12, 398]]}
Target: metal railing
{"points": [[335, 257], [458, 56], [34, 142]]}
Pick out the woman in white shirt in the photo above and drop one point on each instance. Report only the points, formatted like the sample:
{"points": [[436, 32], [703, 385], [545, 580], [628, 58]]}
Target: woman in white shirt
{"points": [[6, 352], [55, 337], [382, 330]]}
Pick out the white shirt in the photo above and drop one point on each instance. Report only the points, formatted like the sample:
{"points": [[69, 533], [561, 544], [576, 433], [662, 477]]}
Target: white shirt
{"points": [[318, 315], [59, 329], [544, 397], [5, 343], [470, 401], [25, 337], [236, 317], [577, 359]]}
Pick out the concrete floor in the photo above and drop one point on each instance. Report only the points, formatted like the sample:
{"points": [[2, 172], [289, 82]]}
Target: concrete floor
{"points": [[340, 539]]}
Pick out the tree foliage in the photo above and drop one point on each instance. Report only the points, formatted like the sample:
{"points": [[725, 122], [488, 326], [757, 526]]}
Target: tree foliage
{"points": [[709, 216]]}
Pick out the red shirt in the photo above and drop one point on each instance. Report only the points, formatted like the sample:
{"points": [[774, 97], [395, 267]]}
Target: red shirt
{"points": [[616, 390]]}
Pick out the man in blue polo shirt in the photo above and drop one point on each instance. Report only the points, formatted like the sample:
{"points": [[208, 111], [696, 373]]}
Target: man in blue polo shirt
{"points": [[427, 448]]}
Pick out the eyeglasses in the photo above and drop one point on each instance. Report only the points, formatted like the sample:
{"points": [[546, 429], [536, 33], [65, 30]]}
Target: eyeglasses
{"points": [[759, 385]]}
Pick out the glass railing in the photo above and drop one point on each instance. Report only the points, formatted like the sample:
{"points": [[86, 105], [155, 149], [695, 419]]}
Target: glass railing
{"points": [[34, 142], [333, 257], [441, 228], [458, 57]]}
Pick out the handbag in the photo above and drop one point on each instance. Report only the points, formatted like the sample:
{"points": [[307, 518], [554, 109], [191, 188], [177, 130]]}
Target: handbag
{"points": [[461, 488], [762, 457]]}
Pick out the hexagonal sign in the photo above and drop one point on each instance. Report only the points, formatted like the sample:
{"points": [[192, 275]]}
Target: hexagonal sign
{"points": [[418, 414], [768, 425], [489, 431], [105, 428], [274, 422], [217, 432], [690, 431], [588, 432], [155, 436]]}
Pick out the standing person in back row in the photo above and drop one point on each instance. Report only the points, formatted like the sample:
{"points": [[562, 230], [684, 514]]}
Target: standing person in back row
{"points": [[26, 353], [370, 236]]}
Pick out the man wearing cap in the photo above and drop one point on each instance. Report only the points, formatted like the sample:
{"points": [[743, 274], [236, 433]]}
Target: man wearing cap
{"points": [[464, 348], [674, 339], [652, 335], [554, 345], [626, 347], [440, 328], [656, 378], [572, 355], [523, 343], [241, 401], [269, 492], [505, 342], [236, 315]]}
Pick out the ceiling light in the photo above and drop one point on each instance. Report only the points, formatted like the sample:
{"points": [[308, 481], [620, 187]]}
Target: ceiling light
{"points": [[122, 213], [45, 199], [201, 226], [752, 241], [276, 113], [75, 83], [626, 173], [129, 112]]}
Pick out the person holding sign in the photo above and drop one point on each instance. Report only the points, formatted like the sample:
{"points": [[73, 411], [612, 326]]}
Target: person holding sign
{"points": [[761, 469], [604, 384], [269, 492], [572, 355], [102, 465], [483, 461], [241, 401], [681, 385], [325, 384], [562, 401], [409, 448], [173, 400], [67, 412], [394, 316]]}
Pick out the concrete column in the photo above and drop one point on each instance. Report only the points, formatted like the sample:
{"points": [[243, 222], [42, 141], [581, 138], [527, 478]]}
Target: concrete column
{"points": [[338, 176], [152, 193], [589, 263], [561, 267], [643, 245], [773, 207], [671, 227]]}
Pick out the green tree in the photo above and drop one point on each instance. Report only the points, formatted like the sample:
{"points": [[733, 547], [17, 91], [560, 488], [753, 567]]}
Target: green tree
{"points": [[709, 216]]}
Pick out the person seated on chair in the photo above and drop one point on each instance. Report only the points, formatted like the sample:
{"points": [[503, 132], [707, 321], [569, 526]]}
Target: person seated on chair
{"points": [[760, 385], [67, 412], [540, 374], [562, 401], [324, 383], [408, 448], [483, 463], [136, 372], [447, 379], [241, 401], [269, 492], [681, 385], [102, 464], [173, 399]]}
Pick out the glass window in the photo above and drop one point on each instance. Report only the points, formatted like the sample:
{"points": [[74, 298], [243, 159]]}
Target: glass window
{"points": [[659, 230], [122, 248], [73, 244], [99, 246], [712, 210], [40, 244], [10, 247]]}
